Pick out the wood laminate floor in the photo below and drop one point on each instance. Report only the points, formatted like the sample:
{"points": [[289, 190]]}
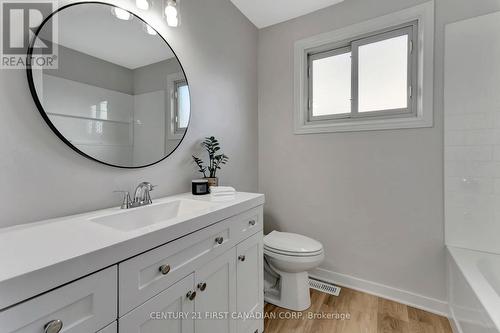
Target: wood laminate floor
{"points": [[367, 314]]}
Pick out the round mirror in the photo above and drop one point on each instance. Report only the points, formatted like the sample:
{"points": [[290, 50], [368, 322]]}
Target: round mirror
{"points": [[114, 90]]}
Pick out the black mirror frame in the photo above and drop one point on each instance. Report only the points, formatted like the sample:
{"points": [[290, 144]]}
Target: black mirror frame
{"points": [[31, 83]]}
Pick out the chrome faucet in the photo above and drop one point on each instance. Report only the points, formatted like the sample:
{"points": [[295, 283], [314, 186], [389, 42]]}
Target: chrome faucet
{"points": [[142, 196]]}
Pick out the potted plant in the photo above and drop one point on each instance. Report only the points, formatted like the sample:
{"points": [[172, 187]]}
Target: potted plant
{"points": [[215, 160]]}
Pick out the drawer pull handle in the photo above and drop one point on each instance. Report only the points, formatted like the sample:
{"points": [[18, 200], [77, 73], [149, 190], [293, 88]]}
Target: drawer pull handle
{"points": [[251, 222], [191, 295], [202, 286], [241, 258], [164, 269], [256, 331], [53, 326], [219, 240]]}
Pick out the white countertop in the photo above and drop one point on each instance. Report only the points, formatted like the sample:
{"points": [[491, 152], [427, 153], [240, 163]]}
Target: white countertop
{"points": [[40, 256]]}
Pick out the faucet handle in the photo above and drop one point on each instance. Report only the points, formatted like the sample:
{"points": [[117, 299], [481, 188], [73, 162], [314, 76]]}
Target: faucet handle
{"points": [[126, 199], [148, 195]]}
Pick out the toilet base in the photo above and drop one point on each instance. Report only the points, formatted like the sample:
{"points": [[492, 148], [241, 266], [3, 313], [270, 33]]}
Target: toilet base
{"points": [[293, 293]]}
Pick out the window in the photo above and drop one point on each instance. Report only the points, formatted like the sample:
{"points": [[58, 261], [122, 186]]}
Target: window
{"points": [[178, 105], [330, 83], [373, 75], [181, 106]]}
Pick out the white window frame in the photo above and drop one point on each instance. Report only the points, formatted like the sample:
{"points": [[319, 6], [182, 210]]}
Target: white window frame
{"points": [[352, 46], [177, 84], [420, 108], [173, 132]]}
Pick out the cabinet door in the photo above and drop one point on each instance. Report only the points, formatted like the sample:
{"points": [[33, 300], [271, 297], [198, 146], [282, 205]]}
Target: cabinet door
{"points": [[216, 295], [250, 280], [170, 311]]}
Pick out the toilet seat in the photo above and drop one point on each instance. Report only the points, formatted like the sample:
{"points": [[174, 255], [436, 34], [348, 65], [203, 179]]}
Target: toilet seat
{"points": [[289, 244], [271, 251]]}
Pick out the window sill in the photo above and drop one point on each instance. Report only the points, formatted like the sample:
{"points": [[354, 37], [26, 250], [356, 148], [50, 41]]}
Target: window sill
{"points": [[363, 125]]}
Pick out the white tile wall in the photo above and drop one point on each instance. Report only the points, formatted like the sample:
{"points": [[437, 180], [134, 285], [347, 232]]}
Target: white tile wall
{"points": [[469, 153], [109, 139], [472, 133]]}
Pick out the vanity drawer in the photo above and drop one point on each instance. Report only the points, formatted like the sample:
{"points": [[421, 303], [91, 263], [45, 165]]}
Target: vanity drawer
{"points": [[141, 277], [84, 306], [248, 223]]}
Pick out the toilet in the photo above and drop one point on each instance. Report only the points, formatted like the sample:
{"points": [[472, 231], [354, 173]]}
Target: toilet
{"points": [[287, 259]]}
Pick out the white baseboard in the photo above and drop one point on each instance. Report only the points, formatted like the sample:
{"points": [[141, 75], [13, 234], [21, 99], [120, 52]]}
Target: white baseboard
{"points": [[401, 296]]}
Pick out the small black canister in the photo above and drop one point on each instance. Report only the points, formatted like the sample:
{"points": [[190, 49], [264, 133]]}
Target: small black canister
{"points": [[199, 187]]}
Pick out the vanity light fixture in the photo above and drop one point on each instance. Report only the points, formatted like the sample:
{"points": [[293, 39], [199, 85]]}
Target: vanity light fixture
{"points": [[143, 4], [172, 13], [121, 14], [149, 30]]}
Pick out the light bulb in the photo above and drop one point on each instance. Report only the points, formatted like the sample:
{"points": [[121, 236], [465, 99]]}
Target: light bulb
{"points": [[142, 4], [171, 13], [149, 30], [172, 21], [121, 14]]}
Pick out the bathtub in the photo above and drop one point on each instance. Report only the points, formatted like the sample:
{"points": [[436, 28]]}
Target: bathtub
{"points": [[474, 291]]}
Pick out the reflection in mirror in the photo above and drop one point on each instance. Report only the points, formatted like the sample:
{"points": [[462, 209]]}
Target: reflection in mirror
{"points": [[119, 94]]}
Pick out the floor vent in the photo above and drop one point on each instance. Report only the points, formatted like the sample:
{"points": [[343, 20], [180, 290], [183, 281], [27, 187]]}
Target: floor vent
{"points": [[325, 287]]}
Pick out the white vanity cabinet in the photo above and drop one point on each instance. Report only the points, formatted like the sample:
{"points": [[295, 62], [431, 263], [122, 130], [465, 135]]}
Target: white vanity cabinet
{"points": [[223, 287], [249, 282], [214, 299], [216, 295], [203, 274], [148, 274], [87, 305], [170, 311]]}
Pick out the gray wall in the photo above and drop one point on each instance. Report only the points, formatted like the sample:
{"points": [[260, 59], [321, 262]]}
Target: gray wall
{"points": [[374, 199], [81, 67], [154, 77], [42, 178]]}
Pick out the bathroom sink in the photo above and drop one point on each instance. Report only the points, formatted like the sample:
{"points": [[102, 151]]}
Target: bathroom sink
{"points": [[141, 217]]}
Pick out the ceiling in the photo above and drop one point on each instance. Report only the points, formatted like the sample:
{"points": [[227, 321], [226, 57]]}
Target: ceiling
{"points": [[93, 30], [264, 13]]}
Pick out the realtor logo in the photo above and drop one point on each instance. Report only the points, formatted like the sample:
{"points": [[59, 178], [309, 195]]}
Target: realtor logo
{"points": [[20, 21]]}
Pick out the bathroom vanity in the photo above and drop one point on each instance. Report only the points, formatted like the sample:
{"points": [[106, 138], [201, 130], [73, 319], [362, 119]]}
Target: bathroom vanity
{"points": [[182, 264]]}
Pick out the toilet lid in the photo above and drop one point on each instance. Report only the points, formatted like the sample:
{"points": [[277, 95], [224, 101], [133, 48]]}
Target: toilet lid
{"points": [[294, 243]]}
